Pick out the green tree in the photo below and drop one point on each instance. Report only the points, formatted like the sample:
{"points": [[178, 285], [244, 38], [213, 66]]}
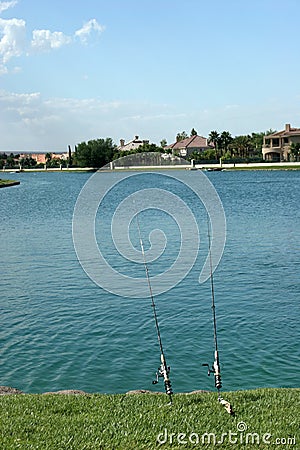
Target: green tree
{"points": [[193, 132], [147, 147], [27, 162], [214, 138], [181, 136], [206, 155], [224, 141], [95, 153], [257, 140], [241, 146], [295, 150], [270, 131], [3, 157], [163, 143], [57, 162], [11, 161]]}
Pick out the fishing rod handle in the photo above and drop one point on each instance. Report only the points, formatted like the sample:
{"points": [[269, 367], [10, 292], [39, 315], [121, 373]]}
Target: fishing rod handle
{"points": [[168, 386], [218, 382]]}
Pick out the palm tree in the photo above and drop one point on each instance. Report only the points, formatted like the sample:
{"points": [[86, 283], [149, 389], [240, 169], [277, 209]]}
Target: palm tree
{"points": [[257, 140], [225, 139], [242, 144], [270, 131], [214, 138]]}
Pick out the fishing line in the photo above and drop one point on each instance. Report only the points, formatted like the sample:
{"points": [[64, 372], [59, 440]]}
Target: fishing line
{"points": [[163, 371], [215, 369]]}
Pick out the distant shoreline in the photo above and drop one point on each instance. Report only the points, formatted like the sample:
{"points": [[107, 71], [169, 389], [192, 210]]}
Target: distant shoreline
{"points": [[204, 167], [56, 169]]}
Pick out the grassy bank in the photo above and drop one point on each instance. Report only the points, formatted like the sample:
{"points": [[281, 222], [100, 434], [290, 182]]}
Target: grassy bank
{"points": [[270, 167], [7, 183], [264, 418]]}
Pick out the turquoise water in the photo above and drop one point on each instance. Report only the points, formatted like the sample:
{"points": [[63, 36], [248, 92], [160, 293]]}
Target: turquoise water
{"points": [[59, 330]]}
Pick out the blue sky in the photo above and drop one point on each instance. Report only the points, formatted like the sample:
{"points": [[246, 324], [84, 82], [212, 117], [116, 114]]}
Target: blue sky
{"points": [[75, 71]]}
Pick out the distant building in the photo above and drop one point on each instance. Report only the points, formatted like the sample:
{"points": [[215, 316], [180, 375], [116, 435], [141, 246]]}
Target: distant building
{"points": [[131, 145], [193, 144], [63, 156], [276, 146], [40, 158]]}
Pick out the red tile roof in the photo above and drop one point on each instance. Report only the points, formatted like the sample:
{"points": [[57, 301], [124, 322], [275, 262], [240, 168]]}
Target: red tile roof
{"points": [[191, 142]]}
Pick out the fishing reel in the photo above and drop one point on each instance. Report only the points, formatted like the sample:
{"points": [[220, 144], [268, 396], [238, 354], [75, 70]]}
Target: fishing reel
{"points": [[215, 370], [163, 372]]}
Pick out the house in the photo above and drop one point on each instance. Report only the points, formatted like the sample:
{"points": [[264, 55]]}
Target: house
{"points": [[193, 144], [132, 145], [60, 156], [276, 146], [40, 158]]}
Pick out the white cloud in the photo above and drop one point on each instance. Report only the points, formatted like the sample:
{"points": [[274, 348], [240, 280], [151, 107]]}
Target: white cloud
{"points": [[13, 41], [90, 26], [6, 5], [45, 40], [29, 122]]}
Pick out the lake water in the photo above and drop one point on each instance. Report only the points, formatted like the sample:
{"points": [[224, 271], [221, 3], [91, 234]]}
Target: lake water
{"points": [[60, 330]]}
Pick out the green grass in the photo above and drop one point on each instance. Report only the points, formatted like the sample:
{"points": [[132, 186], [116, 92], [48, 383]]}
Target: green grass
{"points": [[264, 168], [134, 422], [4, 183]]}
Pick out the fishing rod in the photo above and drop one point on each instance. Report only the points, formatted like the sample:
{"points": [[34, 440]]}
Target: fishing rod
{"points": [[215, 368], [164, 370]]}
